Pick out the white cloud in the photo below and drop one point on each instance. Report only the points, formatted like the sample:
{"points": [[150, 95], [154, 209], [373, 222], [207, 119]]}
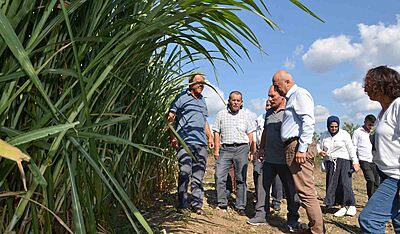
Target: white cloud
{"points": [[326, 53], [353, 98], [381, 44], [378, 44], [213, 100], [250, 113], [290, 61], [299, 50], [289, 64], [364, 104], [321, 113], [349, 92], [258, 104]]}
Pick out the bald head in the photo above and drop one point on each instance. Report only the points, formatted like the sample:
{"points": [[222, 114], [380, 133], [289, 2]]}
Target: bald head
{"points": [[282, 81]]}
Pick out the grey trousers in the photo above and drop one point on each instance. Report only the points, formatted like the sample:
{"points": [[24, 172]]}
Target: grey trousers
{"points": [[238, 156], [191, 169], [277, 187], [270, 172]]}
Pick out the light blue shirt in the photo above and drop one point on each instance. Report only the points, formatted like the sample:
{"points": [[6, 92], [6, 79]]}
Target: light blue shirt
{"points": [[298, 119], [191, 117]]}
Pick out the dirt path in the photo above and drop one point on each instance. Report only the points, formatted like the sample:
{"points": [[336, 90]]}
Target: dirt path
{"points": [[164, 219]]}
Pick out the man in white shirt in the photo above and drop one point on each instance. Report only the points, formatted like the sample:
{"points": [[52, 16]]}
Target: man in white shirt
{"points": [[233, 132], [297, 132], [362, 142]]}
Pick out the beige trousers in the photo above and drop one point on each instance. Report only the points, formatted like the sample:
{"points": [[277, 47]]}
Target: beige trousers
{"points": [[303, 176]]}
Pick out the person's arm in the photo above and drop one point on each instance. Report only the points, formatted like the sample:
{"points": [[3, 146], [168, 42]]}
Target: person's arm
{"points": [[251, 128], [217, 144], [260, 153], [252, 146], [351, 149], [209, 136], [217, 135], [172, 138], [355, 140], [305, 110], [321, 150]]}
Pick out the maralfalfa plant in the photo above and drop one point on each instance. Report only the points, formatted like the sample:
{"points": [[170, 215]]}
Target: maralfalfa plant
{"points": [[85, 86]]}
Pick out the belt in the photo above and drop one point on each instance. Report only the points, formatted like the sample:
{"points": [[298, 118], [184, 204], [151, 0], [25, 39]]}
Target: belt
{"points": [[234, 144], [290, 140]]}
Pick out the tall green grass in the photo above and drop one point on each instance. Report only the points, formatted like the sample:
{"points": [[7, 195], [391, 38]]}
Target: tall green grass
{"points": [[109, 69]]}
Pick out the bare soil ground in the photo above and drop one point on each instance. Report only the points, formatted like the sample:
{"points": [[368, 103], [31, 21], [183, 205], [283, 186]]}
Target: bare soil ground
{"points": [[163, 217]]}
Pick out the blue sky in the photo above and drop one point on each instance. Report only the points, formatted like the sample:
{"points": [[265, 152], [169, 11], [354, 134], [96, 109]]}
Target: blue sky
{"points": [[329, 59]]}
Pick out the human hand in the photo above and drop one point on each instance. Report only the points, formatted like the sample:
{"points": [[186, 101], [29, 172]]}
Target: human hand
{"points": [[250, 156], [216, 154], [300, 157], [260, 155], [211, 144], [174, 142], [323, 154], [356, 167]]}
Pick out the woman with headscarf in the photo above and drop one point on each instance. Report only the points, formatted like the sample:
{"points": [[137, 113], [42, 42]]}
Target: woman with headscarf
{"points": [[382, 84], [340, 162]]}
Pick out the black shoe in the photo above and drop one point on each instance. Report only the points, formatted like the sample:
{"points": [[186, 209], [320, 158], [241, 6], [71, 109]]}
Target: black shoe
{"points": [[184, 211], [222, 207], [241, 212], [298, 228]]}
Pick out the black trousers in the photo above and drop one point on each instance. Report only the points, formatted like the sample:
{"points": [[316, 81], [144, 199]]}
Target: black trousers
{"points": [[371, 175]]}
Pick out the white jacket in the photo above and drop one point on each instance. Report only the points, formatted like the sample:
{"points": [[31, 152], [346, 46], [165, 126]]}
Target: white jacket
{"points": [[338, 146]]}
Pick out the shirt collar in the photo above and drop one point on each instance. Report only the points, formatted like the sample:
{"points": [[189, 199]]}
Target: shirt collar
{"points": [[291, 90], [188, 92], [230, 111], [363, 129], [282, 109]]}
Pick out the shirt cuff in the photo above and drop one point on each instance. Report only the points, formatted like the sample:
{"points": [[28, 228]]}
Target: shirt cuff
{"points": [[303, 148]]}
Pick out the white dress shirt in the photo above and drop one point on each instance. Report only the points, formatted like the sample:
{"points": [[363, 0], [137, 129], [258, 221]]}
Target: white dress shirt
{"points": [[298, 119], [338, 146], [363, 144], [387, 140], [260, 127]]}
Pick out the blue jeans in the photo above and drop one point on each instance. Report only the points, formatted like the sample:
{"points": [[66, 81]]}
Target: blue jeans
{"points": [[381, 207], [194, 170], [238, 156]]}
